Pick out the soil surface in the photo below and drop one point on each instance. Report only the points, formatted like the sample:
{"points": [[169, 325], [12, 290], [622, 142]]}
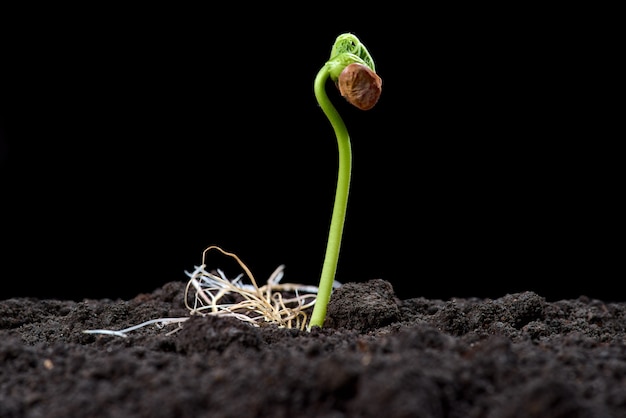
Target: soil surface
{"points": [[376, 356]]}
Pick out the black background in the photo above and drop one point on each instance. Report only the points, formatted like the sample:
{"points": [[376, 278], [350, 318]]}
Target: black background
{"points": [[133, 140]]}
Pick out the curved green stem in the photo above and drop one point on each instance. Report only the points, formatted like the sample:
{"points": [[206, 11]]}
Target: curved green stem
{"points": [[341, 199]]}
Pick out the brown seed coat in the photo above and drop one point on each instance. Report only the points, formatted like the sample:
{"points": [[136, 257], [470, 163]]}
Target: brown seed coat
{"points": [[360, 86]]}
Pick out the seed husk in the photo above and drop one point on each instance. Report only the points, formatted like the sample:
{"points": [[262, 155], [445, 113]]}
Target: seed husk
{"points": [[360, 86]]}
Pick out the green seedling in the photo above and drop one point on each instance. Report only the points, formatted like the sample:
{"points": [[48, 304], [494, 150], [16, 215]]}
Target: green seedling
{"points": [[352, 70]]}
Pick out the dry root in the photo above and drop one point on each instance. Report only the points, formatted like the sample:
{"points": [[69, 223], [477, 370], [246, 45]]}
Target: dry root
{"points": [[211, 293], [282, 304]]}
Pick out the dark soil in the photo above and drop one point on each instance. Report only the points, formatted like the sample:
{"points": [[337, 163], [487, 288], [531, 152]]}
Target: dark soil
{"points": [[377, 356]]}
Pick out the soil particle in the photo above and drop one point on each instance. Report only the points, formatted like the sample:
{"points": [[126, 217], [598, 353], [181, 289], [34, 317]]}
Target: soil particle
{"points": [[515, 356]]}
